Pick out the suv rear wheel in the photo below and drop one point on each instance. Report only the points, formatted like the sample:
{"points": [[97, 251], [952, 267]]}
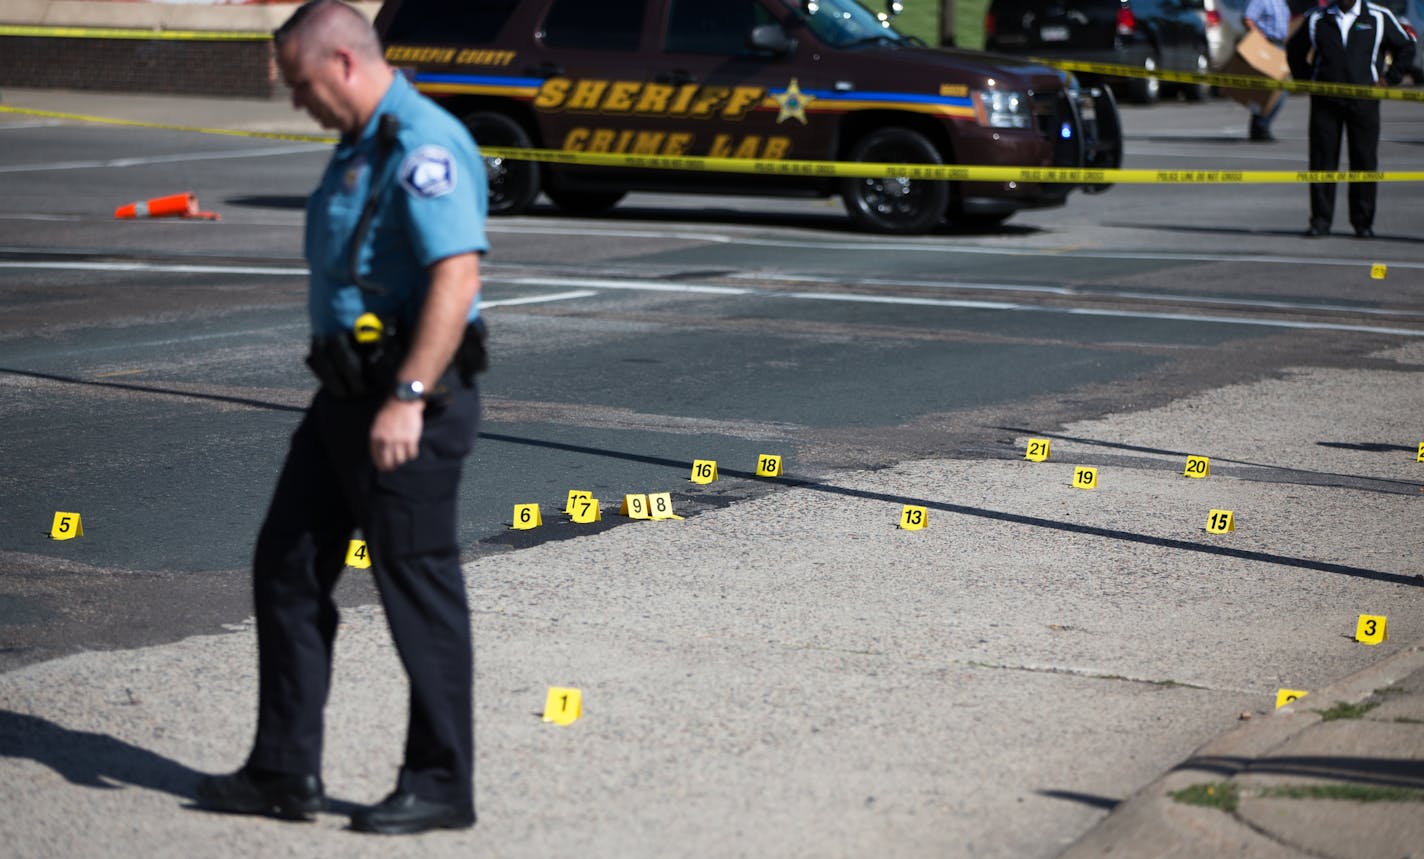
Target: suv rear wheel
{"points": [[513, 185], [895, 204], [1199, 92]]}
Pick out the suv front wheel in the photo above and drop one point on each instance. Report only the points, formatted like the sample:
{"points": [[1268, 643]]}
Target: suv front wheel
{"points": [[513, 185], [895, 204]]}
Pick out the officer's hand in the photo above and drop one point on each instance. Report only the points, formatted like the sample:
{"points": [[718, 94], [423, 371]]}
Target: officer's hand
{"points": [[395, 434]]}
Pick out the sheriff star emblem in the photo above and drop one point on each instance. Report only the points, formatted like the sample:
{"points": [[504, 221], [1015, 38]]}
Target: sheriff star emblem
{"points": [[792, 103]]}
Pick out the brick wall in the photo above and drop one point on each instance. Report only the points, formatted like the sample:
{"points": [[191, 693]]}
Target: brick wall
{"points": [[243, 68]]}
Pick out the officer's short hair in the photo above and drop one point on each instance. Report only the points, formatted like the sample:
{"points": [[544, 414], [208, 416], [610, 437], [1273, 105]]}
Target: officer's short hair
{"points": [[330, 24]]}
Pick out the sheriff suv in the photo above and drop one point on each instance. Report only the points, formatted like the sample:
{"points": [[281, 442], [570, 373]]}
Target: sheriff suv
{"points": [[757, 79]]}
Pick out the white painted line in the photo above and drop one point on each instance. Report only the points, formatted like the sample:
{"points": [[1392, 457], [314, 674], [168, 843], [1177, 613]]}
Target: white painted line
{"points": [[1167, 297], [538, 299], [41, 217], [155, 267], [931, 245], [1119, 314], [964, 304], [161, 159], [42, 123], [640, 285]]}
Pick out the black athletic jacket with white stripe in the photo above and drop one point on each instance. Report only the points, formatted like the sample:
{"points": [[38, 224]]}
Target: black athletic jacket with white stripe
{"points": [[1318, 52]]}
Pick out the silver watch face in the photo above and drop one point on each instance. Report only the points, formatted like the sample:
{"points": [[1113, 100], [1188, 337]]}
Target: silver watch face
{"points": [[408, 392]]}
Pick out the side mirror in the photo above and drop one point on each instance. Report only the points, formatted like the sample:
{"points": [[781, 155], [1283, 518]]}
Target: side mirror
{"points": [[770, 39]]}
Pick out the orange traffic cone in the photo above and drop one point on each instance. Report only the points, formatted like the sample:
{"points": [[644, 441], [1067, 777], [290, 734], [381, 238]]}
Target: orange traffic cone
{"points": [[183, 205]]}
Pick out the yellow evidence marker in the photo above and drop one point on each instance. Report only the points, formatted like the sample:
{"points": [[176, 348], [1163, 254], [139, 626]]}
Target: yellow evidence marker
{"points": [[575, 497], [1197, 466], [914, 518], [1420, 456], [357, 555], [768, 465], [635, 507], [1286, 696], [1220, 522], [66, 526], [1037, 450], [1085, 478], [586, 511], [704, 471], [1371, 629], [1379, 270], [660, 505], [563, 706], [526, 516]]}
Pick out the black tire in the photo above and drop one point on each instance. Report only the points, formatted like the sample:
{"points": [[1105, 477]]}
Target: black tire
{"points": [[1144, 90], [584, 202], [513, 185], [892, 204], [1199, 92]]}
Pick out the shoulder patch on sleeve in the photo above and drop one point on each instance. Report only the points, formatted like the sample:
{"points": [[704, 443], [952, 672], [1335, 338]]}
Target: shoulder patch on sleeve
{"points": [[428, 172]]}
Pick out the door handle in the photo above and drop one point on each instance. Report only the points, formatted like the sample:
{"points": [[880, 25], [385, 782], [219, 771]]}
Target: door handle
{"points": [[676, 77], [545, 70]]}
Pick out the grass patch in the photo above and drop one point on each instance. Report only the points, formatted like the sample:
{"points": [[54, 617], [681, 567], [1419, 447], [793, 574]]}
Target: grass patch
{"points": [[920, 18], [1352, 792], [1343, 710], [1222, 795]]}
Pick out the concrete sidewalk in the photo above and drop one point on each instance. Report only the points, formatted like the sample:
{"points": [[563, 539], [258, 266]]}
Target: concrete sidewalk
{"points": [[1339, 774]]}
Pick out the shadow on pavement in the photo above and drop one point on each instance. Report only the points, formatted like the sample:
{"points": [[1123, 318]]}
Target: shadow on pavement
{"points": [[92, 760], [1386, 772], [1106, 803]]}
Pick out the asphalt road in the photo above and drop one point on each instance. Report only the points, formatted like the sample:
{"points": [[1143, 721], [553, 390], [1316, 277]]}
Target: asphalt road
{"points": [[150, 373], [152, 370]]}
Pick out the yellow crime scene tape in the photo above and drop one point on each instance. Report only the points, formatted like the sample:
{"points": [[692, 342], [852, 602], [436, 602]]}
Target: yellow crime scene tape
{"points": [[133, 33], [828, 169], [1237, 81], [134, 123], [952, 173]]}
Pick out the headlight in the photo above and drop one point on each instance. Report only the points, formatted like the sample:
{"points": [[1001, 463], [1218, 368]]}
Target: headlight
{"points": [[1002, 108]]}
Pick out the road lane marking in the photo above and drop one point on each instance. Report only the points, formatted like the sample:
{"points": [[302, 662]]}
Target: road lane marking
{"points": [[961, 304], [538, 299], [1045, 289], [933, 245], [159, 159], [166, 268]]}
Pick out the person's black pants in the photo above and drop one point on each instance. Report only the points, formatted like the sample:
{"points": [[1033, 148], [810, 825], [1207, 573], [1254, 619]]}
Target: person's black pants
{"points": [[327, 489], [1359, 119]]}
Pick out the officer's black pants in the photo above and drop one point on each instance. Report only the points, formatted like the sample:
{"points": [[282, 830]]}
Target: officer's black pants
{"points": [[1359, 118], [327, 488]]}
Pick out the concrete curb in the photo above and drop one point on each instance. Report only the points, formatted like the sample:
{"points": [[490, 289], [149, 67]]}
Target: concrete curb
{"points": [[1151, 824]]}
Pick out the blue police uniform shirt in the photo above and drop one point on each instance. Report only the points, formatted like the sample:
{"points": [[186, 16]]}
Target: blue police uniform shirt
{"points": [[431, 204]]}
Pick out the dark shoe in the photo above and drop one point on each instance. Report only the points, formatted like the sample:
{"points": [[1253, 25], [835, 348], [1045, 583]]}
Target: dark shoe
{"points": [[1364, 233], [291, 797], [404, 813], [1315, 232], [1262, 134]]}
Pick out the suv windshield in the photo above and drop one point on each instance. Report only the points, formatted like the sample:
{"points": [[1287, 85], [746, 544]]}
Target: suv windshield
{"points": [[841, 23]]}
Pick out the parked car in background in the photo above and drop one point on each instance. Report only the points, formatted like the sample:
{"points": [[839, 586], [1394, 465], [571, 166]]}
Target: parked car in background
{"points": [[1224, 28], [1152, 35]]}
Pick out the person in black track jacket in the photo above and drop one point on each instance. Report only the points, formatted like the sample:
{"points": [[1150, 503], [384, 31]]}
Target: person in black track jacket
{"points": [[1347, 42]]}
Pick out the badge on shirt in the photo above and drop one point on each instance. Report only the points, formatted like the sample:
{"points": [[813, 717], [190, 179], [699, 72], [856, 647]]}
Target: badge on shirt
{"points": [[428, 172], [352, 177]]}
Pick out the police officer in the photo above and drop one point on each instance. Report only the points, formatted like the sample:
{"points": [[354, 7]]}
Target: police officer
{"points": [[1346, 42], [394, 233]]}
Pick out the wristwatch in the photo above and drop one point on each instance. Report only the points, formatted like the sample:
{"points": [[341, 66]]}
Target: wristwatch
{"points": [[409, 392]]}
